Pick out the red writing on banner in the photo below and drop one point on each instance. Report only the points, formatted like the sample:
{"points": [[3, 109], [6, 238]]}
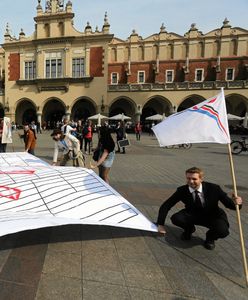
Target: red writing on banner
{"points": [[11, 193]]}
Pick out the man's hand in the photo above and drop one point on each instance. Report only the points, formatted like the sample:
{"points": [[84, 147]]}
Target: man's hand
{"points": [[161, 229], [237, 200]]}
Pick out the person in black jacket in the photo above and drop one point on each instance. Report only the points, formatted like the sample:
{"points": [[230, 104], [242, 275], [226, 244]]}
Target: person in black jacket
{"points": [[201, 208]]}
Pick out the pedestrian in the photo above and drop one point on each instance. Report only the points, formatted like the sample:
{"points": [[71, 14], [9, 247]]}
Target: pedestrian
{"points": [[39, 128], [137, 130], [80, 133], [2, 145], [87, 135], [70, 147], [106, 150], [120, 135], [29, 138], [66, 127], [201, 208]]}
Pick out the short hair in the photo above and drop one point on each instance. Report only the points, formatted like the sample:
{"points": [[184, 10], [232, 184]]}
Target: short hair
{"points": [[195, 170]]}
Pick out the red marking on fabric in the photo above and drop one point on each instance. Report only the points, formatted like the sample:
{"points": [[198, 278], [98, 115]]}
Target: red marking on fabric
{"points": [[29, 172], [11, 193]]}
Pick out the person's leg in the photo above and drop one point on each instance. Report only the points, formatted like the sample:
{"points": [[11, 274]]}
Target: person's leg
{"points": [[64, 159], [31, 151], [105, 172], [118, 147], [218, 229], [85, 145], [186, 221]]}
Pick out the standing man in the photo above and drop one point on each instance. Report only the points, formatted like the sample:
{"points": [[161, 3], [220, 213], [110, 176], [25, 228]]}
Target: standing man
{"points": [[201, 208], [70, 147]]}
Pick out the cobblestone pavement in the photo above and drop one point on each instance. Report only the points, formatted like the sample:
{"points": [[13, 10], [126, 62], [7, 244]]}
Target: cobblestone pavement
{"points": [[93, 262]]}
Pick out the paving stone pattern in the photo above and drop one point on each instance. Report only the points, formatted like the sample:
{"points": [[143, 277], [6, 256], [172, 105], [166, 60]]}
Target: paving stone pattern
{"points": [[93, 262]]}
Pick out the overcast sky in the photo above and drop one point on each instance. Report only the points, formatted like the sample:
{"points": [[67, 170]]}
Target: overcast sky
{"points": [[145, 16]]}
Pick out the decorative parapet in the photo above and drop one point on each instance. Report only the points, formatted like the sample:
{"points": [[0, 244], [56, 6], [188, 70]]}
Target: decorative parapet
{"points": [[206, 85]]}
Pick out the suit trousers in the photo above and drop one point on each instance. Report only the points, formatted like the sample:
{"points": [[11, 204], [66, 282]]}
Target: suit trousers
{"points": [[218, 225]]}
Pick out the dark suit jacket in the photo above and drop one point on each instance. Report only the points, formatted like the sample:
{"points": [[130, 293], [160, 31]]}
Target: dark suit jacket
{"points": [[212, 195]]}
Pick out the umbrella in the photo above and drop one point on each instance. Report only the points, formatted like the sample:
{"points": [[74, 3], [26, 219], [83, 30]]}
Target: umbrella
{"points": [[231, 117], [245, 122], [156, 117], [120, 117], [98, 117]]}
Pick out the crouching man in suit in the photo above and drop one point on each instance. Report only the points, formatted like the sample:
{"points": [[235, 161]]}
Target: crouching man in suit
{"points": [[201, 208]]}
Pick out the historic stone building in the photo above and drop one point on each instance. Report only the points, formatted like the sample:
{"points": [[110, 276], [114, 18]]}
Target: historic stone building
{"points": [[61, 71]]}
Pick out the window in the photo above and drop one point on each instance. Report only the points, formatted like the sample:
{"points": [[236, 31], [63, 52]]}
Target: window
{"points": [[54, 65], [77, 67], [141, 76], [30, 70], [199, 74], [169, 76], [229, 74], [114, 78]]}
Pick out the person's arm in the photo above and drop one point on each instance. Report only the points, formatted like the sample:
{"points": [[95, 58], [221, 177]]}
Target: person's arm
{"points": [[166, 206], [229, 202], [55, 153], [101, 159]]}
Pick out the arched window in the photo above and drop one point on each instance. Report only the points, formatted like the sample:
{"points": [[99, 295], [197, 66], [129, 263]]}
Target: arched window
{"points": [[233, 47], [47, 30], [155, 52], [61, 29], [126, 54], [140, 53], [113, 54], [200, 50], [170, 50]]}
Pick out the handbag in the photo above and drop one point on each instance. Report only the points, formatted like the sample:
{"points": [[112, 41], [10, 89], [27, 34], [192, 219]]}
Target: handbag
{"points": [[96, 154]]}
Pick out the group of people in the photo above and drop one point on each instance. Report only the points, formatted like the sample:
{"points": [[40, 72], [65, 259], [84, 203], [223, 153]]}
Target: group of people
{"points": [[200, 198]]}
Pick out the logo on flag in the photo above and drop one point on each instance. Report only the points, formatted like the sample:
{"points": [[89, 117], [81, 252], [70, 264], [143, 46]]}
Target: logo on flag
{"points": [[205, 122]]}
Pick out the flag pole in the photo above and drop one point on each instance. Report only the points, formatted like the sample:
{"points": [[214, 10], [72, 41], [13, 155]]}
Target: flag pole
{"points": [[238, 215], [236, 205]]}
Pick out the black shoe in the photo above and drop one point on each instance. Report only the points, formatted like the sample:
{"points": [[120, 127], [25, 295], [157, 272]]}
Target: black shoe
{"points": [[210, 245], [186, 235]]}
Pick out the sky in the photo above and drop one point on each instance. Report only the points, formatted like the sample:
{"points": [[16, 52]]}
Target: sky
{"points": [[145, 16]]}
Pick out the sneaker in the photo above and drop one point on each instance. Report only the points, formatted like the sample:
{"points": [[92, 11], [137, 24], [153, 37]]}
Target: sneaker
{"points": [[210, 245], [186, 235]]}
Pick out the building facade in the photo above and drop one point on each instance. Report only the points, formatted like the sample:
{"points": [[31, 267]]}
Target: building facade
{"points": [[62, 71]]}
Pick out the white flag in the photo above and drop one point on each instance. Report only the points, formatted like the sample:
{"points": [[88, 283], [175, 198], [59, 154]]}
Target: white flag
{"points": [[205, 122], [35, 195]]}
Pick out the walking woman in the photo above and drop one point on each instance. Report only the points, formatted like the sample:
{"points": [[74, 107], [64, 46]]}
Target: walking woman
{"points": [[106, 149]]}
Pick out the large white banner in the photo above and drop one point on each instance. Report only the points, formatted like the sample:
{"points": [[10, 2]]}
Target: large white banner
{"points": [[34, 195]]}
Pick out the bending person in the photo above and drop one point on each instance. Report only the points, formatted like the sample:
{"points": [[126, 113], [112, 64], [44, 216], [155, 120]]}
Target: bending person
{"points": [[201, 208], [70, 146]]}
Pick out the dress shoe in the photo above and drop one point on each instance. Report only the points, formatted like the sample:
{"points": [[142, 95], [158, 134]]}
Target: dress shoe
{"points": [[186, 235], [210, 245]]}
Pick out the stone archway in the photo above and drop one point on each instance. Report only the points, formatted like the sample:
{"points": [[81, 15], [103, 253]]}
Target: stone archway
{"points": [[236, 105], [83, 109], [124, 106], [25, 112], [53, 111], [156, 105], [190, 101]]}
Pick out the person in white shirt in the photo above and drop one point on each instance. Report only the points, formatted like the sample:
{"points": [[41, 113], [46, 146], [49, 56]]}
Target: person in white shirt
{"points": [[70, 147], [66, 128]]}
